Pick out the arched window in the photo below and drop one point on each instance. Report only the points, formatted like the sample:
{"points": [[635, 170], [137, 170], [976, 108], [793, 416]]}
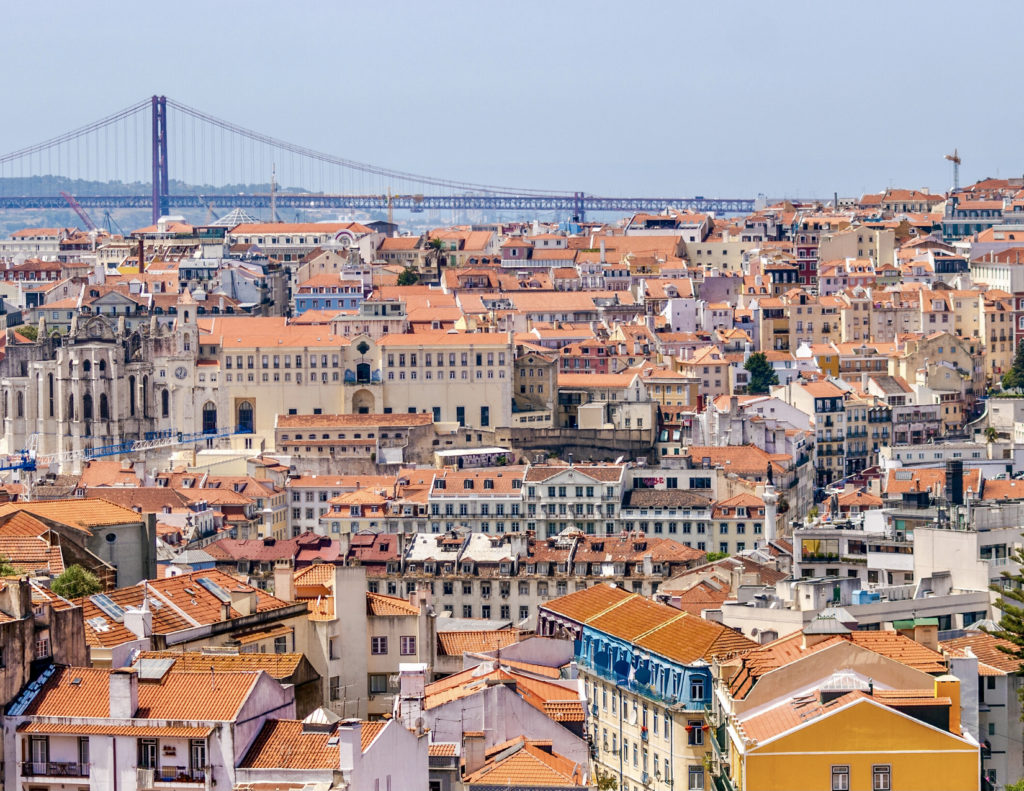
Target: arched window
{"points": [[145, 396], [87, 413], [103, 366], [21, 405], [187, 341], [245, 418], [210, 417], [131, 396], [165, 403], [104, 407], [49, 378], [87, 366]]}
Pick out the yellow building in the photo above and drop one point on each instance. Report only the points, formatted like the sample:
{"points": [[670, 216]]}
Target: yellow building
{"points": [[840, 710]]}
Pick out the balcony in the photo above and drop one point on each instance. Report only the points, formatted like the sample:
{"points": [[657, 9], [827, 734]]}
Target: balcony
{"points": [[54, 769], [178, 777]]}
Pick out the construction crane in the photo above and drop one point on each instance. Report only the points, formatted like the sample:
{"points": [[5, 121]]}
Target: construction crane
{"points": [[77, 209], [955, 159]]}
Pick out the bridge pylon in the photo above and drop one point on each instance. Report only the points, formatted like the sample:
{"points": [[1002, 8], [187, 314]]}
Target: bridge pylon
{"points": [[161, 191]]}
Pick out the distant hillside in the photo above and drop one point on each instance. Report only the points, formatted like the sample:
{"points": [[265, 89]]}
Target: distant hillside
{"points": [[54, 185]]}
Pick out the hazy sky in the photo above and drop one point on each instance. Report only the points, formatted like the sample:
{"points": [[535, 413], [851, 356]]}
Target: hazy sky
{"points": [[678, 98]]}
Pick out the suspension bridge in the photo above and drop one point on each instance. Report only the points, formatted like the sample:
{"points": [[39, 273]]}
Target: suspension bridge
{"points": [[163, 155]]}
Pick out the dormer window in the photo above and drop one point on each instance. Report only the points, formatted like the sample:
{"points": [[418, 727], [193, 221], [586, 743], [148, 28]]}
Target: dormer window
{"points": [[467, 484]]}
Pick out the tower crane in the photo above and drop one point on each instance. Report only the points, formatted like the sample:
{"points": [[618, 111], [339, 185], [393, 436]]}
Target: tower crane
{"points": [[77, 209], [955, 159]]}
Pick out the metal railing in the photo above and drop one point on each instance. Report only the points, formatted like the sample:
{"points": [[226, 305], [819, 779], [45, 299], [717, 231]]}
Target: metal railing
{"points": [[54, 769]]}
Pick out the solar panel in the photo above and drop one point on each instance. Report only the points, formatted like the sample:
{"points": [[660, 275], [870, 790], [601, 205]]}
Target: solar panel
{"points": [[112, 610], [215, 589], [99, 624], [153, 669]]}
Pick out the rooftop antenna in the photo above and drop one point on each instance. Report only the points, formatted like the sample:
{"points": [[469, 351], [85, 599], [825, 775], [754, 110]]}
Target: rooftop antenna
{"points": [[955, 159]]}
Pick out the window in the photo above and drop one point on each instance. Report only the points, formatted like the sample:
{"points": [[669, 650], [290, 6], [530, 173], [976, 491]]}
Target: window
{"points": [[696, 780], [697, 689], [281, 644], [378, 683], [881, 777], [378, 645], [840, 778], [694, 733], [147, 754], [408, 645]]}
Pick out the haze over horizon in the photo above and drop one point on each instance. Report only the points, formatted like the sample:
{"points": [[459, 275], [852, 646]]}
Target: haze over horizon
{"points": [[790, 99]]}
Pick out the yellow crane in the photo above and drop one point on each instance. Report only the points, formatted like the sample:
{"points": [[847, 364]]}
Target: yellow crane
{"points": [[955, 159]]}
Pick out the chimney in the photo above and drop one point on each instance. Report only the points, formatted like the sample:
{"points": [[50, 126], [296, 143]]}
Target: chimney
{"points": [[243, 600], [603, 259], [412, 682], [948, 686], [965, 669], [139, 620], [474, 747], [955, 481], [648, 565], [350, 743], [124, 693], [142, 257], [284, 583]]}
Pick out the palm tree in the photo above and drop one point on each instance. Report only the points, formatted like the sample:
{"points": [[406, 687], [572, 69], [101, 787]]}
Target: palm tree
{"points": [[435, 248], [991, 435]]}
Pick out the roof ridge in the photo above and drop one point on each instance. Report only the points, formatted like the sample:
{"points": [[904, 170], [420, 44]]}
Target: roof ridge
{"points": [[661, 625]]}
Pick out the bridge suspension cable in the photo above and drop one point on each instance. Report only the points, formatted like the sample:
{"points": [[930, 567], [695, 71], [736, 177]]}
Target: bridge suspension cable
{"points": [[75, 134], [363, 167]]}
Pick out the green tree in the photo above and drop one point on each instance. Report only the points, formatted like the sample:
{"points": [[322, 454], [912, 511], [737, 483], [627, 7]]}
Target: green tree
{"points": [[29, 331], [1014, 378], [605, 781], [408, 277], [6, 569], [1010, 602], [435, 253], [76, 582], [991, 434], [762, 375]]}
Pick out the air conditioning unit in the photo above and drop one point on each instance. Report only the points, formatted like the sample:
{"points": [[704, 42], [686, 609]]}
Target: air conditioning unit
{"points": [[144, 778]]}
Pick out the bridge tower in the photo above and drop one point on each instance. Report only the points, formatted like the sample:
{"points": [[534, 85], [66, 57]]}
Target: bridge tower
{"points": [[160, 187]]}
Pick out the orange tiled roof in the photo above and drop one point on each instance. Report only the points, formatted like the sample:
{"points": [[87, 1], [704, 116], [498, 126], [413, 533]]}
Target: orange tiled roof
{"points": [[282, 744], [893, 645], [987, 648], [275, 665], [528, 765], [457, 643], [179, 695], [379, 604]]}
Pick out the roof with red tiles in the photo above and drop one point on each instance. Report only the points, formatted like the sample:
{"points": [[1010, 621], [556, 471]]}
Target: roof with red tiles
{"points": [[890, 644], [179, 695], [523, 763]]}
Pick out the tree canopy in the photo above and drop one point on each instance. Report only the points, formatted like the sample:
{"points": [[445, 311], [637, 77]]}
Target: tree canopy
{"points": [[1010, 602], [76, 582], [1013, 379], [762, 375], [408, 277]]}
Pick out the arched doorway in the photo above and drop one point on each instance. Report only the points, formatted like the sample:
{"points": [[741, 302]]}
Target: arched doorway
{"points": [[104, 407], [362, 402], [245, 418], [210, 417]]}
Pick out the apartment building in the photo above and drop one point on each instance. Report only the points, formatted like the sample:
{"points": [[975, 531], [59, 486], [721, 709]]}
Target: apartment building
{"points": [[646, 674]]}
